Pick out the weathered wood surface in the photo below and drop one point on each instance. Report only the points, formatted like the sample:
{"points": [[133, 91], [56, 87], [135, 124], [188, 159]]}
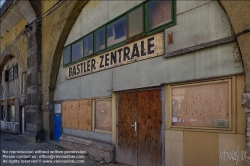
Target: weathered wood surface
{"points": [[144, 146], [127, 137], [77, 114], [149, 119], [103, 114], [199, 105]]}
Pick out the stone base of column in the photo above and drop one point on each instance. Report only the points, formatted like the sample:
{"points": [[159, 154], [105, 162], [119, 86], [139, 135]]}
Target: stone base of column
{"points": [[35, 137], [48, 122]]}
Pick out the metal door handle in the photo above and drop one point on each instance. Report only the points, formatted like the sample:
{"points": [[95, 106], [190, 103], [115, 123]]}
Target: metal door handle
{"points": [[135, 125]]}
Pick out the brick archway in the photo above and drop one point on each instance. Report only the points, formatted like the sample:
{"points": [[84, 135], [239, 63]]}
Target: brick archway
{"points": [[56, 29]]}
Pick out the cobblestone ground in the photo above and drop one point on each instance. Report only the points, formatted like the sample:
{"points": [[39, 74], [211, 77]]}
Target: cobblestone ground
{"points": [[16, 143]]}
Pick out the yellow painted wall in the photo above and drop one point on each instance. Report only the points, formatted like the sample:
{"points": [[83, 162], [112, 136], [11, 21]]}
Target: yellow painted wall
{"points": [[20, 48], [55, 29], [184, 147]]}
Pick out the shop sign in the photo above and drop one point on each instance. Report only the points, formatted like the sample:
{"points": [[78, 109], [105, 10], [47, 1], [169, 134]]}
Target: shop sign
{"points": [[140, 50]]}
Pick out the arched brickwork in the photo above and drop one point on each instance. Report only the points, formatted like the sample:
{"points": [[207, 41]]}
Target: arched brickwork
{"points": [[56, 36], [239, 16]]}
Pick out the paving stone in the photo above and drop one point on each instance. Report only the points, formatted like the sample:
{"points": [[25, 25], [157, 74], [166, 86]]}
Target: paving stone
{"points": [[108, 160], [98, 158], [102, 162], [11, 142]]}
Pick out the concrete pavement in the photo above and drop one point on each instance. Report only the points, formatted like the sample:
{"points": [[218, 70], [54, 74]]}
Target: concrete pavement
{"points": [[16, 151]]}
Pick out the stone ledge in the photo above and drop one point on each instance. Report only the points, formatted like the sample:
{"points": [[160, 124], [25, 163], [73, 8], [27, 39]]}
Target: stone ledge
{"points": [[93, 147]]}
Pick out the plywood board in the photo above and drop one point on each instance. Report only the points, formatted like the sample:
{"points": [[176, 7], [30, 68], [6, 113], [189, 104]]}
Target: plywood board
{"points": [[85, 115], [74, 114], [77, 114], [103, 114], [200, 104], [65, 115]]}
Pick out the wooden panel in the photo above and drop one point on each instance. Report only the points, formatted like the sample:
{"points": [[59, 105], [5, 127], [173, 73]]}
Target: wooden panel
{"points": [[114, 118], [74, 114], [77, 114], [199, 105], [201, 149], [149, 120], [127, 137], [85, 115], [65, 115], [103, 114]]}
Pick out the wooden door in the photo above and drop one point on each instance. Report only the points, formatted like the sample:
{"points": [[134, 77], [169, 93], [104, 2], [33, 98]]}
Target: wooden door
{"points": [[149, 129], [127, 137], [144, 146]]}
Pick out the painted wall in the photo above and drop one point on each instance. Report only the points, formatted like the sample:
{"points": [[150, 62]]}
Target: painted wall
{"points": [[185, 147], [13, 88], [219, 60]]}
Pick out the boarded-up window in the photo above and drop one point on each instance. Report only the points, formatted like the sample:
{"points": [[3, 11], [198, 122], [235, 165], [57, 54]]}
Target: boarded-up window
{"points": [[103, 114], [77, 114], [201, 105]]}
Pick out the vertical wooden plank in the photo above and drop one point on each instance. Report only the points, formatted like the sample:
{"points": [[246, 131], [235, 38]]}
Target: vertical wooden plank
{"points": [[74, 114], [127, 137], [93, 115], [113, 118], [150, 120], [85, 115], [66, 114]]}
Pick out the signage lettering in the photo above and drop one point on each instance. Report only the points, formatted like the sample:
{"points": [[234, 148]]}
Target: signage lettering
{"points": [[121, 56]]}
